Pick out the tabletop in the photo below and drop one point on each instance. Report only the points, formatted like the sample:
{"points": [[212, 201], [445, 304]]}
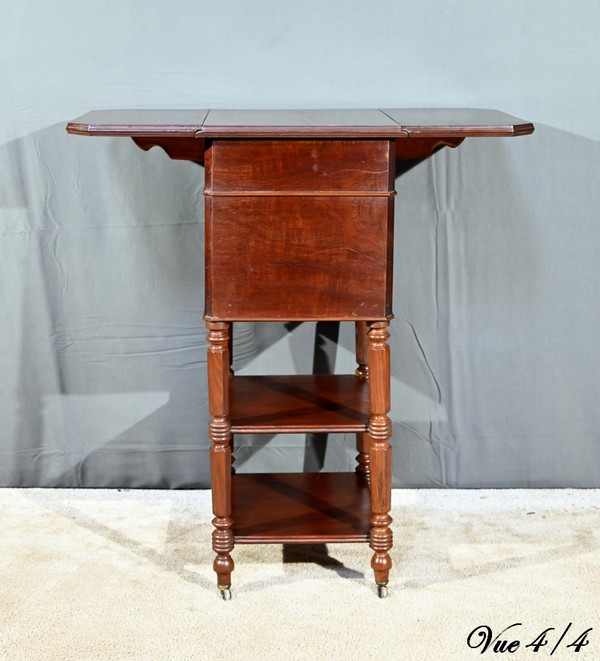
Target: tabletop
{"points": [[347, 123]]}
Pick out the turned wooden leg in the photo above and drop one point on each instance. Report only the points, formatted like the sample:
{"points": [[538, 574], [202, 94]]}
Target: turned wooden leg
{"points": [[362, 349], [362, 458], [362, 371], [230, 346], [380, 431], [220, 452]]}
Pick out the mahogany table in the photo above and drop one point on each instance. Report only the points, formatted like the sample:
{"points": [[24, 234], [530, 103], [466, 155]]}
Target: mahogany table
{"points": [[299, 226]]}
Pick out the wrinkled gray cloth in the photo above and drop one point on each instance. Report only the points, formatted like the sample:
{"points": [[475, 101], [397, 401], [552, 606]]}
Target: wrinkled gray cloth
{"points": [[494, 344], [497, 271]]}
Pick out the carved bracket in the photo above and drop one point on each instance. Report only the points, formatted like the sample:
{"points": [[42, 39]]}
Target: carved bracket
{"points": [[422, 147], [192, 149], [183, 149]]}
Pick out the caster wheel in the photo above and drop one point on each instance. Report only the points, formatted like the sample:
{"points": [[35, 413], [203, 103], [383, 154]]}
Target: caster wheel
{"points": [[382, 591], [225, 593]]}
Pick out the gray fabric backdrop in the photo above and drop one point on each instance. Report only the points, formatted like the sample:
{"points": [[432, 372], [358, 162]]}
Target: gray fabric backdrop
{"points": [[495, 340]]}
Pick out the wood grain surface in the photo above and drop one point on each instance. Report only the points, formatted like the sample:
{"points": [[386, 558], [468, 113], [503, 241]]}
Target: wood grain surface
{"points": [[306, 403], [347, 123], [313, 508]]}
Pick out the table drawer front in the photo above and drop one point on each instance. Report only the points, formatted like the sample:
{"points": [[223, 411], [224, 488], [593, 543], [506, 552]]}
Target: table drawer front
{"points": [[290, 258], [292, 166]]}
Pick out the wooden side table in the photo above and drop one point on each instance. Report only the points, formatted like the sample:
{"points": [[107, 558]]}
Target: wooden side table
{"points": [[299, 226]]}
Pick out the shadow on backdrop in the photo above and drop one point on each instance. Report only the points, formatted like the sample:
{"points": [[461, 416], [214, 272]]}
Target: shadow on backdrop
{"points": [[494, 367]]}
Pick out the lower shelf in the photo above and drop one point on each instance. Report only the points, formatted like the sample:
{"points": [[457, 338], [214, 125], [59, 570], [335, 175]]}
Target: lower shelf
{"points": [[310, 508]]}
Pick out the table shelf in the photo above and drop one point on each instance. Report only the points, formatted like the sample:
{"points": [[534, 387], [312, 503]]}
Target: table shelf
{"points": [[310, 508], [322, 403]]}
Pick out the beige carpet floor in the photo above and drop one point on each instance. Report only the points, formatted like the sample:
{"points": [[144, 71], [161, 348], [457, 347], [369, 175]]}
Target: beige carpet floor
{"points": [[110, 575]]}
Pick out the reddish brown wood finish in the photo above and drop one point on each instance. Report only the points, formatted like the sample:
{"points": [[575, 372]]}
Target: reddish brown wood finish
{"points": [[183, 149], [139, 123], [297, 258], [300, 508], [311, 404], [302, 167], [320, 211], [380, 432], [230, 349], [362, 347], [363, 463], [362, 371], [299, 226], [301, 229], [192, 148], [423, 147], [346, 124], [456, 122], [219, 431]]}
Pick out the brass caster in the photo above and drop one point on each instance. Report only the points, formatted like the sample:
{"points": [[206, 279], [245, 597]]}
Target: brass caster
{"points": [[382, 591], [225, 592]]}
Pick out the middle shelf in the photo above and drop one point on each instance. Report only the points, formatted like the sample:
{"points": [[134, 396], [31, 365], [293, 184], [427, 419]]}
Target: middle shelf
{"points": [[315, 403]]}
